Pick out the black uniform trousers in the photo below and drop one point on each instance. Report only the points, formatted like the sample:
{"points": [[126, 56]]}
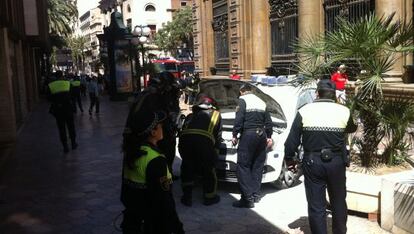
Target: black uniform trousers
{"points": [[94, 101], [134, 200], [319, 176], [76, 99], [64, 119], [198, 156], [251, 156]]}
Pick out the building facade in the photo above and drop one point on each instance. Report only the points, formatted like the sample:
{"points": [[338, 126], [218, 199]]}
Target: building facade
{"points": [[24, 43], [89, 25], [251, 36]]}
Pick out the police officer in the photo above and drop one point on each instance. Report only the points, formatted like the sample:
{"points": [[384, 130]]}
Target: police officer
{"points": [[146, 184], [198, 146], [192, 87], [321, 127], [76, 93], [61, 109], [162, 95], [254, 125]]}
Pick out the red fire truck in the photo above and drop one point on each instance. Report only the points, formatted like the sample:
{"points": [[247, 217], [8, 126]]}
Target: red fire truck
{"points": [[173, 65]]}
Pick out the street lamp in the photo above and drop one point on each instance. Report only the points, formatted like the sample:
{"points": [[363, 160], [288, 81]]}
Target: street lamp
{"points": [[141, 33]]}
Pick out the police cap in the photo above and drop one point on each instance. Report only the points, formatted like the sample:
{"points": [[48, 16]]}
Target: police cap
{"points": [[143, 123]]}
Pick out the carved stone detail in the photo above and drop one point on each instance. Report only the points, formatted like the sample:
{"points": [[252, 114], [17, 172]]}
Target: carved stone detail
{"points": [[280, 7], [220, 23]]}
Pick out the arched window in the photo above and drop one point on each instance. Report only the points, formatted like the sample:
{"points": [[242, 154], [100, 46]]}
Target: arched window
{"points": [[149, 7], [129, 8]]}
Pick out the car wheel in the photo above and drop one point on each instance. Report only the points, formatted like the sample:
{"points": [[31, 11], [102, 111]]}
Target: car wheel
{"points": [[287, 178]]}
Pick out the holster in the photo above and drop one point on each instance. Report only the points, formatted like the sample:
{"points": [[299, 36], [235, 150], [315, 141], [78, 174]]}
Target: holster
{"points": [[326, 155]]}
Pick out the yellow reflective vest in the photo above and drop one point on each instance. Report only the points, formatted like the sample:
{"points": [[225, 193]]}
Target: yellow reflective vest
{"points": [[137, 174], [59, 86]]}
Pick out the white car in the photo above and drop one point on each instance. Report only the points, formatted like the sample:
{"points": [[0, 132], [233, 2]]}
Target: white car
{"points": [[282, 101]]}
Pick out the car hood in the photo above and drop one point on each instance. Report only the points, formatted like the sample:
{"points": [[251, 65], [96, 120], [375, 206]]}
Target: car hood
{"points": [[226, 93]]}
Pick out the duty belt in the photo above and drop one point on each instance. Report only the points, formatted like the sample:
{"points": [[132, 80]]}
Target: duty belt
{"points": [[133, 184]]}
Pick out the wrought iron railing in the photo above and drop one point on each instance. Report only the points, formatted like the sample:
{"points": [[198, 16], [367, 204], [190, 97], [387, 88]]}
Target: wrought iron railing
{"points": [[284, 31], [349, 9]]}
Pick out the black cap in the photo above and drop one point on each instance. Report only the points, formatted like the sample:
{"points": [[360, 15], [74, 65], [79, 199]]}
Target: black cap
{"points": [[143, 123], [326, 84]]}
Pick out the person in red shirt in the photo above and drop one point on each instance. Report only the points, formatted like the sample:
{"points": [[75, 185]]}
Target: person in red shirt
{"points": [[340, 78], [234, 75]]}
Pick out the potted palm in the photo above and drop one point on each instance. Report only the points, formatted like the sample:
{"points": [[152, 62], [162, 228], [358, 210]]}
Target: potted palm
{"points": [[374, 44]]}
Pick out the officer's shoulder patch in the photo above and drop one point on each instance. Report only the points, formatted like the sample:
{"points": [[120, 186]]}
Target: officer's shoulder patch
{"points": [[237, 108], [165, 183]]}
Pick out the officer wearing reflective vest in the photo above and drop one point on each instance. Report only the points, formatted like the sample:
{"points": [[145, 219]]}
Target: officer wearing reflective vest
{"points": [[198, 147], [162, 95], [61, 109], [146, 184], [76, 93], [254, 125], [321, 128]]}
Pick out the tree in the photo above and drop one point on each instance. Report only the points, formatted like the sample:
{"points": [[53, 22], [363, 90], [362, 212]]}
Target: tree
{"points": [[374, 43], [77, 46], [62, 15], [176, 33]]}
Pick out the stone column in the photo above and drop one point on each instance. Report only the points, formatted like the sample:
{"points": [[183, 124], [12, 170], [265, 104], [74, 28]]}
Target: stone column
{"points": [[386, 8], [7, 116], [204, 43], [311, 18], [260, 34]]}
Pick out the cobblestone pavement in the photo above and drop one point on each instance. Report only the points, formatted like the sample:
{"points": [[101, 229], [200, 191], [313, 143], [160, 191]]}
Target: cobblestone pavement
{"points": [[43, 190]]}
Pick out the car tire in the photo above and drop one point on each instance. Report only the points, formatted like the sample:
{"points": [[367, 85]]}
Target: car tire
{"points": [[287, 179]]}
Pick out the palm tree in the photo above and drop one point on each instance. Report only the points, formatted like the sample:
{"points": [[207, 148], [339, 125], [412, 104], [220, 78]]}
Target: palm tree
{"points": [[62, 15], [374, 43], [77, 45]]}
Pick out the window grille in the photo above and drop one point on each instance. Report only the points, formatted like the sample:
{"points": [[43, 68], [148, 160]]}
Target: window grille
{"points": [[221, 36], [284, 31], [349, 9]]}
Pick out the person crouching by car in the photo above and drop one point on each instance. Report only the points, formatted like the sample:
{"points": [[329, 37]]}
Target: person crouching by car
{"points": [[146, 185], [198, 146]]}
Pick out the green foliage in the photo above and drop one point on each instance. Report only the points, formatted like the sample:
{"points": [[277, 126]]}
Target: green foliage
{"points": [[177, 32], [373, 44], [396, 116], [62, 15], [77, 46]]}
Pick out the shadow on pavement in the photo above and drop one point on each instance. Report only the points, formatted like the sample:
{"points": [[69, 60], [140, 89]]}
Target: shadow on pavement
{"points": [[43, 190]]}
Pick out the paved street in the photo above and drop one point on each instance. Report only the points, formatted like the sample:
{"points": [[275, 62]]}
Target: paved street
{"points": [[43, 190]]}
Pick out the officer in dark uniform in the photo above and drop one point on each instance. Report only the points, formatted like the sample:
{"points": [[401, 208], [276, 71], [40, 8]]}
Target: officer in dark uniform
{"points": [[61, 109], [198, 146], [76, 93], [162, 95], [254, 125], [321, 128], [191, 88], [146, 180]]}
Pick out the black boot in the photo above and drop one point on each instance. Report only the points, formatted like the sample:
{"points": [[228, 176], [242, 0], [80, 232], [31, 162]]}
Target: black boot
{"points": [[211, 201], [256, 197], [244, 202], [187, 198], [74, 145], [65, 148]]}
